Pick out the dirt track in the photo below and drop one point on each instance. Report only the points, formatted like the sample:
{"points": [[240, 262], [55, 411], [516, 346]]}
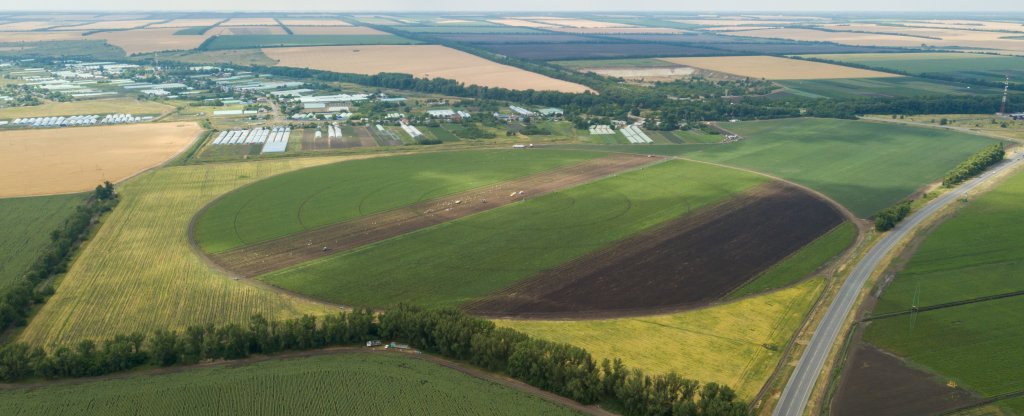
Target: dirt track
{"points": [[686, 263], [287, 251]]}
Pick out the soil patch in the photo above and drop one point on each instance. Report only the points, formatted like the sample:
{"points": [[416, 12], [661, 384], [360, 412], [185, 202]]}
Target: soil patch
{"points": [[686, 263], [297, 248], [876, 383]]}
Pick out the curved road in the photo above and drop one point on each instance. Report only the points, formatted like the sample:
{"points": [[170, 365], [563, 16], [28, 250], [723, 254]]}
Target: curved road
{"points": [[798, 390]]}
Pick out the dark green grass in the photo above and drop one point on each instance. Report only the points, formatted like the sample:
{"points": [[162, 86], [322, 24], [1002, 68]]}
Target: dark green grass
{"points": [[698, 137], [194, 30], [461, 260], [977, 253], [958, 65], [25, 226], [273, 41], [325, 195], [864, 166], [343, 384], [802, 263], [441, 134], [877, 87]]}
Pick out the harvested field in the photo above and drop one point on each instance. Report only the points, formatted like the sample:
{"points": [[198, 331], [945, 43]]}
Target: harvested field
{"points": [[248, 30], [580, 23], [879, 384], [114, 24], [597, 50], [262, 258], [618, 30], [179, 23], [686, 263], [520, 23], [41, 162], [100, 106], [32, 25], [151, 40], [647, 74], [775, 68], [432, 61], [734, 22], [250, 21], [485, 38], [314, 22], [40, 36], [334, 30]]}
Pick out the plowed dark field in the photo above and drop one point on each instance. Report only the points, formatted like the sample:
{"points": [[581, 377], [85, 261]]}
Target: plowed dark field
{"points": [[688, 262], [878, 384]]}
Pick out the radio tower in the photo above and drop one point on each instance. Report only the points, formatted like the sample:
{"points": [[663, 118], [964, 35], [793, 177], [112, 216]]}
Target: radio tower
{"points": [[1006, 90]]}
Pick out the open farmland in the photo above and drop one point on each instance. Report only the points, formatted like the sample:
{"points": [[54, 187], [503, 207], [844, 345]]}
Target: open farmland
{"points": [[775, 68], [180, 23], [944, 39], [114, 24], [419, 60], [973, 255], [43, 162], [962, 66], [864, 166], [257, 259], [25, 226], [150, 40], [301, 201], [314, 22], [140, 264], [344, 383], [736, 343], [597, 50], [282, 40], [335, 30], [250, 21], [537, 234], [74, 108], [878, 87], [725, 246]]}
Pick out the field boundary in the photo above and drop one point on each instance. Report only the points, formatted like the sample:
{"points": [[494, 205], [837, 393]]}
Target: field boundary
{"points": [[942, 305]]}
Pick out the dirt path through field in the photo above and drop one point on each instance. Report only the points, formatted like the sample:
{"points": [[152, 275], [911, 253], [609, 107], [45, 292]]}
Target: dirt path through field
{"points": [[294, 249]]}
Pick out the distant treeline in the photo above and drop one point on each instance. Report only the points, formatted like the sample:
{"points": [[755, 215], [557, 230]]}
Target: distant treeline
{"points": [[16, 302], [559, 368], [938, 76], [887, 219], [976, 164]]}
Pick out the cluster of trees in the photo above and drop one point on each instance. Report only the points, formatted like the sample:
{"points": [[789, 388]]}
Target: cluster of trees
{"points": [[887, 219], [974, 165], [559, 368], [17, 300]]}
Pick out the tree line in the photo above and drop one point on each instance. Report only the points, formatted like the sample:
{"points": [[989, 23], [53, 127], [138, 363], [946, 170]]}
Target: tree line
{"points": [[16, 302], [974, 165], [887, 219], [556, 367]]}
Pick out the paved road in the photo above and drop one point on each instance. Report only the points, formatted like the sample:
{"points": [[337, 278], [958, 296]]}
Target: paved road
{"points": [[798, 390]]}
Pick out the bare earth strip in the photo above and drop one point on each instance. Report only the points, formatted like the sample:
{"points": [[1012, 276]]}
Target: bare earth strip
{"points": [[298, 248]]}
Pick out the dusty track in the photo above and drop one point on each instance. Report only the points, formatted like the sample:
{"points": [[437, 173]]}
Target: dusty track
{"points": [[294, 249], [685, 263]]}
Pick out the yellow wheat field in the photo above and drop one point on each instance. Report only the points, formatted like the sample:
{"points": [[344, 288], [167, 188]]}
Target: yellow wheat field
{"points": [[39, 36], [151, 40], [580, 23], [114, 24], [314, 22], [724, 344], [433, 61], [67, 160], [186, 23], [250, 21], [633, 30], [774, 68], [520, 23], [334, 30], [138, 273], [29, 25]]}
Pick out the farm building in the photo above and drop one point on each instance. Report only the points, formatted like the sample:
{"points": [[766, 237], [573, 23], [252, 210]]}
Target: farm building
{"points": [[447, 113], [1017, 116], [291, 93], [551, 112], [522, 111]]}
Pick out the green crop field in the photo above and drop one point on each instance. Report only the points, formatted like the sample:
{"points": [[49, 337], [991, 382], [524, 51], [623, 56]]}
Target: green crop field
{"points": [[139, 273], [461, 260], [964, 66], [863, 165], [331, 194], [736, 343], [801, 263], [340, 384], [877, 87], [25, 226], [272, 41], [976, 253]]}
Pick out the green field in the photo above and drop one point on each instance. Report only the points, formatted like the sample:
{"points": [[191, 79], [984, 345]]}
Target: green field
{"points": [[331, 194], [864, 166], [25, 226], [877, 87], [802, 263], [461, 260], [139, 273], [339, 384], [273, 41], [976, 253], [963, 66]]}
